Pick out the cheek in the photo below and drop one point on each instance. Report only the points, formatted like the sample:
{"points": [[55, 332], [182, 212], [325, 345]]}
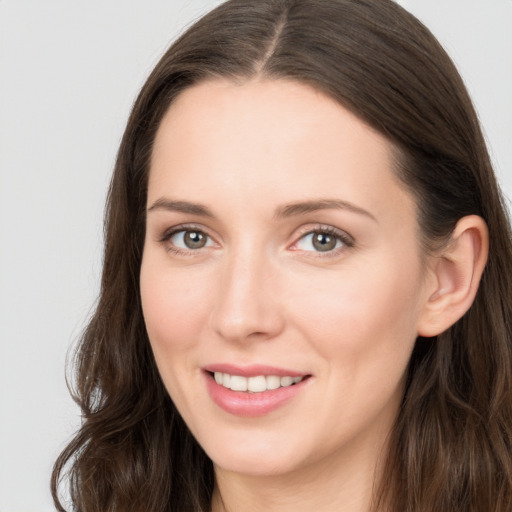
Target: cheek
{"points": [[174, 313], [174, 306], [369, 307]]}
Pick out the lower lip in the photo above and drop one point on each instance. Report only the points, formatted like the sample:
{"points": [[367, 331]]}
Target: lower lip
{"points": [[242, 403]]}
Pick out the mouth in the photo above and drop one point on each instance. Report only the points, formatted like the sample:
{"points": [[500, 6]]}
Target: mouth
{"points": [[255, 384], [259, 392]]}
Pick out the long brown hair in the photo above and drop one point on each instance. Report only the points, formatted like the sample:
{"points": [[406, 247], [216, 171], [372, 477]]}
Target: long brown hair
{"points": [[451, 445]]}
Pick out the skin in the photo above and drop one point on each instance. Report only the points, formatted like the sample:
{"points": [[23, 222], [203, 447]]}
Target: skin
{"points": [[260, 292]]}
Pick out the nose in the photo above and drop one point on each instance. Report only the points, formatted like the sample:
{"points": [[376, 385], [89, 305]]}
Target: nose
{"points": [[247, 305]]}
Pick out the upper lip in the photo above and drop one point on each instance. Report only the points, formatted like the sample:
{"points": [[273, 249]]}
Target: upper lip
{"points": [[252, 370]]}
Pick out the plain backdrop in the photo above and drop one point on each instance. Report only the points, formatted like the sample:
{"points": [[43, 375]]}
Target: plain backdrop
{"points": [[69, 72]]}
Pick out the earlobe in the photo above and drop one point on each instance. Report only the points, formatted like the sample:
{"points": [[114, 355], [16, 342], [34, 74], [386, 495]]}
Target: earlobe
{"points": [[456, 272]]}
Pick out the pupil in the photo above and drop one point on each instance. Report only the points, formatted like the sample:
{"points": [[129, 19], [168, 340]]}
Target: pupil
{"points": [[194, 240], [323, 242]]}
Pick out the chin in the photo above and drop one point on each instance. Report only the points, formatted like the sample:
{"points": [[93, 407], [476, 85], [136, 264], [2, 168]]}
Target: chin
{"points": [[254, 464], [255, 455]]}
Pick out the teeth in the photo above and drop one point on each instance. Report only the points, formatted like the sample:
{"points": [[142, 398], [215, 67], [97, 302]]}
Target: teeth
{"points": [[273, 382], [237, 383], [286, 381], [256, 384]]}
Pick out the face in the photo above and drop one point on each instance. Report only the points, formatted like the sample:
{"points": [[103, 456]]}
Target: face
{"points": [[282, 279]]}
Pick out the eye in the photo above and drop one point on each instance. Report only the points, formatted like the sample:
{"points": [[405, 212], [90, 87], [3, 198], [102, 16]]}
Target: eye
{"points": [[187, 239], [324, 240]]}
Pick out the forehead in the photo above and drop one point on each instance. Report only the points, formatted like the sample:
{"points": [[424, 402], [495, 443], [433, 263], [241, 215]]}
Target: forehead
{"points": [[288, 110], [282, 140]]}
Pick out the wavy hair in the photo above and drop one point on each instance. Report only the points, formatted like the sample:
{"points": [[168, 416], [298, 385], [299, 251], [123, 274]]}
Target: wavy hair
{"points": [[450, 448]]}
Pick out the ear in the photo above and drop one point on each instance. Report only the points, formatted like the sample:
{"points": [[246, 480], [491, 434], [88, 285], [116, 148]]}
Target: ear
{"points": [[455, 275]]}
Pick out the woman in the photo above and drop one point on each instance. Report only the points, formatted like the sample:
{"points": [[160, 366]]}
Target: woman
{"points": [[305, 298]]}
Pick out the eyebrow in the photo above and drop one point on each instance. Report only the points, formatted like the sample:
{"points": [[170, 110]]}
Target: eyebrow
{"points": [[288, 210], [302, 208], [181, 206]]}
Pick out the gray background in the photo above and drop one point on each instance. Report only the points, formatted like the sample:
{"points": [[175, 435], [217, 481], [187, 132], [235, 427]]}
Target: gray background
{"points": [[69, 71]]}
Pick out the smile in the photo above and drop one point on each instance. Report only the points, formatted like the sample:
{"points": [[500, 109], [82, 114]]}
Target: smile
{"points": [[256, 384], [255, 390]]}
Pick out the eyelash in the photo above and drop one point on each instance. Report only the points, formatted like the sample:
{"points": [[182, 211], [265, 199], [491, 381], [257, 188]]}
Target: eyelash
{"points": [[346, 240], [168, 234]]}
